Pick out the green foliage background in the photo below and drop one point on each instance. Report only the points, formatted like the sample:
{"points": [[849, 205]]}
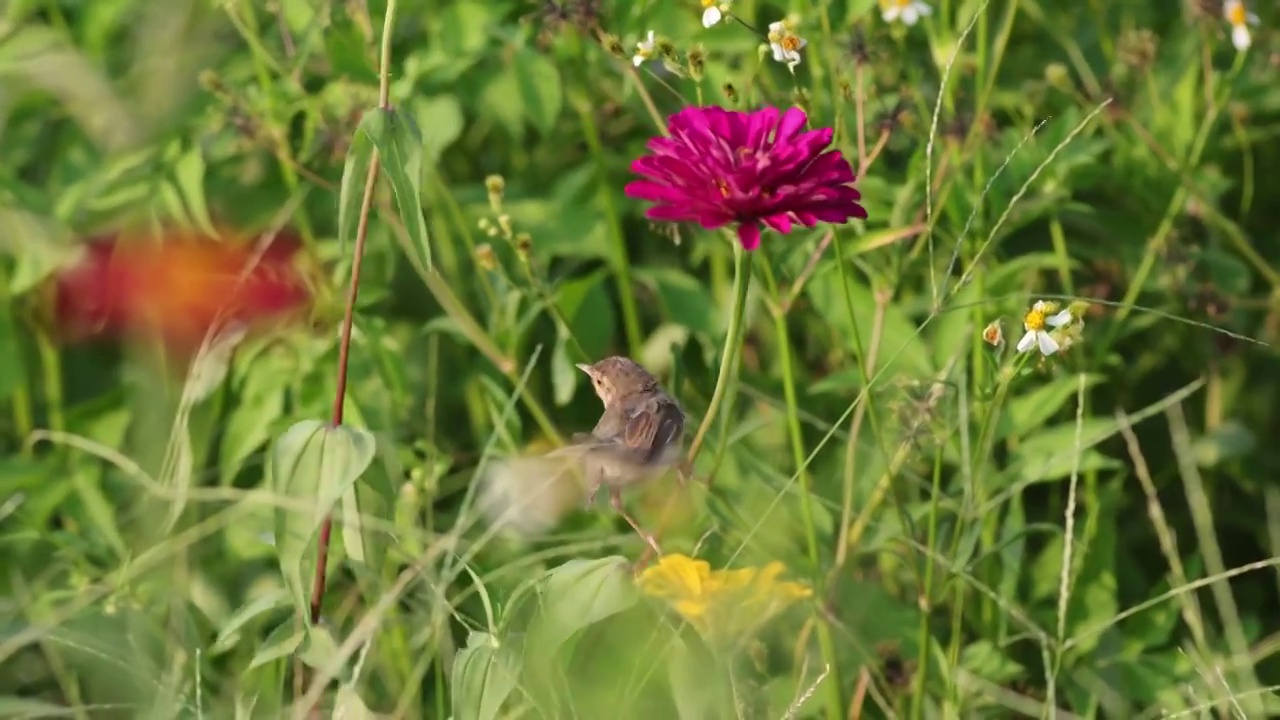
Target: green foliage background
{"points": [[930, 488]]}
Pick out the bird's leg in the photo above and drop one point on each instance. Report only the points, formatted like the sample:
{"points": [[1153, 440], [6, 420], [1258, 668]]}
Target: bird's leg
{"points": [[615, 499]]}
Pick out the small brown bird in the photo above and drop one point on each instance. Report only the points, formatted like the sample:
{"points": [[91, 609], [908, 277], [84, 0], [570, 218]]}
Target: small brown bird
{"points": [[637, 438]]}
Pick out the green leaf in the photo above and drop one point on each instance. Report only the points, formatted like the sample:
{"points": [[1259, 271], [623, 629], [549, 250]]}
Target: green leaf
{"points": [[564, 376], [311, 466], [901, 351], [484, 674], [189, 175], [575, 595], [399, 143], [258, 406], [319, 648], [984, 659], [1032, 409], [281, 643], [685, 299], [39, 246], [442, 123], [347, 705], [465, 27], [1228, 441], [500, 101], [229, 633], [355, 173], [541, 94]]}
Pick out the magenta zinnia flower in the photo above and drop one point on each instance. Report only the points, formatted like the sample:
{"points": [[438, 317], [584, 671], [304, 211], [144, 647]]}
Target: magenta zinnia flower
{"points": [[723, 166]]}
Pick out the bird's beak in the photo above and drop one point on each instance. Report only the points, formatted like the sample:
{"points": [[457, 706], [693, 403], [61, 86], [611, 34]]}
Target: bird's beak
{"points": [[585, 368]]}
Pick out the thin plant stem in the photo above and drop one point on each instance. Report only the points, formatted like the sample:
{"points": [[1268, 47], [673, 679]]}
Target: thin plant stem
{"points": [[732, 344], [826, 645], [348, 318]]}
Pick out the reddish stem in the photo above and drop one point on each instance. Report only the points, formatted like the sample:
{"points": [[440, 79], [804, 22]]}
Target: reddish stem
{"points": [[344, 360]]}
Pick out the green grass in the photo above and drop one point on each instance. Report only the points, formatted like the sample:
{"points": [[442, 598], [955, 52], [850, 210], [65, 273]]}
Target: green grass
{"points": [[985, 534]]}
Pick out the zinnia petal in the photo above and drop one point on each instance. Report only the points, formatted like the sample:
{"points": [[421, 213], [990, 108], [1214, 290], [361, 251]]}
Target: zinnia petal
{"points": [[723, 166]]}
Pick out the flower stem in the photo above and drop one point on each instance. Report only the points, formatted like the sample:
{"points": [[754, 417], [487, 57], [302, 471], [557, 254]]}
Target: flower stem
{"points": [[348, 318], [732, 345]]}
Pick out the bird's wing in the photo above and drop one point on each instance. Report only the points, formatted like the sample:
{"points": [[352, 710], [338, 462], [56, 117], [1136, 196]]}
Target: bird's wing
{"points": [[652, 429]]}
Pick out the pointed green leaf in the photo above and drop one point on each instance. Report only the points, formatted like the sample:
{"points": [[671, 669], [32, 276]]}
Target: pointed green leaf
{"points": [[484, 674], [399, 144], [347, 705], [311, 466], [575, 595], [229, 633], [541, 93], [355, 173], [189, 175], [282, 642]]}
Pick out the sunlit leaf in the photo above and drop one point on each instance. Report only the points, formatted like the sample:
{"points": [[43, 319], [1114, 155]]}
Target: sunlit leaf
{"points": [[442, 122], [355, 173], [229, 633], [312, 464], [399, 143], [189, 175], [280, 643], [575, 595], [347, 705], [538, 82], [484, 675]]}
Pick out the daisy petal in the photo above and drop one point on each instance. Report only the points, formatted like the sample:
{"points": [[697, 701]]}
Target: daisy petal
{"points": [[1062, 318], [1027, 341], [1048, 345]]}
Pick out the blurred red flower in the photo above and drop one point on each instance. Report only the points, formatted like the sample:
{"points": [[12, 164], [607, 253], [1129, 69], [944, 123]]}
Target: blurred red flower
{"points": [[176, 289]]}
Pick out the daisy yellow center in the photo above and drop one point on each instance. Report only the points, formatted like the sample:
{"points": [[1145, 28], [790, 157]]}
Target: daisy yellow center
{"points": [[1034, 320], [708, 3], [901, 4], [790, 43], [1235, 14]]}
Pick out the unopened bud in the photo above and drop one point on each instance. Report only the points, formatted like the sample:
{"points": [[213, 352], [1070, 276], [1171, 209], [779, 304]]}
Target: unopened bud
{"points": [[524, 243], [730, 92], [485, 258], [697, 63], [496, 187], [612, 45]]}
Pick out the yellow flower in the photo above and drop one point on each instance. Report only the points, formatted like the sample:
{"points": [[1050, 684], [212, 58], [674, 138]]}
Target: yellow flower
{"points": [[724, 606]]}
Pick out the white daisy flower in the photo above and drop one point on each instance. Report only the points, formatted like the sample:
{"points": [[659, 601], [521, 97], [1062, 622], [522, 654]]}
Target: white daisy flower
{"points": [[1035, 321], [908, 11], [714, 11], [644, 50], [1240, 20], [785, 43]]}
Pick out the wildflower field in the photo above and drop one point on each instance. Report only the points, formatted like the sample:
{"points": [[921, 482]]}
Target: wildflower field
{"points": [[963, 316]]}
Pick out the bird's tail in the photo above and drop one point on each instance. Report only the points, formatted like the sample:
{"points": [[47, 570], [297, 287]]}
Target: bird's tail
{"points": [[527, 496]]}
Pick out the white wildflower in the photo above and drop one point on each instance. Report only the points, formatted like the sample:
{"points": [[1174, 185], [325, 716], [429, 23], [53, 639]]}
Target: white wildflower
{"points": [[644, 50], [1035, 321], [908, 12], [1240, 19], [714, 11]]}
